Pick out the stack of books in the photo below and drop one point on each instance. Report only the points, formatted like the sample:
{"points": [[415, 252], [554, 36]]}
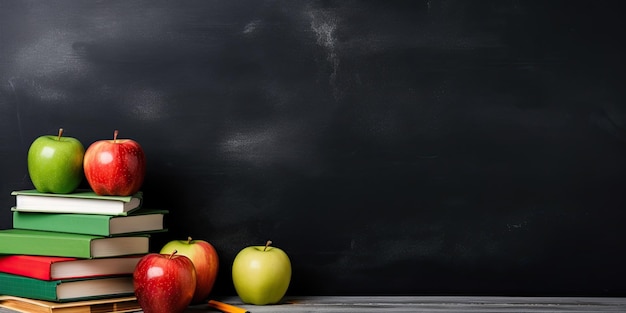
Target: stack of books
{"points": [[79, 249]]}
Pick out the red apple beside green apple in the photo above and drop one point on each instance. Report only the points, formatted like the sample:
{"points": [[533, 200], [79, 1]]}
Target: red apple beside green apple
{"points": [[261, 274], [164, 283], [55, 163], [115, 167], [205, 261]]}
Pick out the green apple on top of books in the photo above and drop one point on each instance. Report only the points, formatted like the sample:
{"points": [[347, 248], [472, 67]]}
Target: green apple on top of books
{"points": [[261, 274], [55, 163], [115, 167], [205, 261]]}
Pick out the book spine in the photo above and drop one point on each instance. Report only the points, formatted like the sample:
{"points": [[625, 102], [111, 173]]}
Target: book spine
{"points": [[20, 286], [28, 267], [87, 224], [45, 243]]}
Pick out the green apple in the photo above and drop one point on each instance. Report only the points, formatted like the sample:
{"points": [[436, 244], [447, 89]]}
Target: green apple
{"points": [[261, 274], [55, 163]]}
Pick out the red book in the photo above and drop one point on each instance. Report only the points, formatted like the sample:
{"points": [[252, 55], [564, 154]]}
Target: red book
{"points": [[56, 268]]}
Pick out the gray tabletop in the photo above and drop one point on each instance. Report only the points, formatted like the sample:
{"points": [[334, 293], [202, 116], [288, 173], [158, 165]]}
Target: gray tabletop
{"points": [[434, 304], [428, 304]]}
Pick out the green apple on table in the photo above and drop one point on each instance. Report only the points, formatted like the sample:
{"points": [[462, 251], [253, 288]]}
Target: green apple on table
{"points": [[261, 274], [55, 163]]}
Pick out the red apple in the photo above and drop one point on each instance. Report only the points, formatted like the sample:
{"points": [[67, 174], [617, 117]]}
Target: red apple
{"points": [[164, 283], [205, 260], [115, 167]]}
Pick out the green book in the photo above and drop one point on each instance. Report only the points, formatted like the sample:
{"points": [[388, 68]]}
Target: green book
{"points": [[82, 202], [36, 242], [66, 290], [139, 221]]}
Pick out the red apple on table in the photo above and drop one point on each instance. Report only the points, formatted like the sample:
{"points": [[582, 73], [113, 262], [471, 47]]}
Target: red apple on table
{"points": [[115, 167], [164, 283], [205, 261]]}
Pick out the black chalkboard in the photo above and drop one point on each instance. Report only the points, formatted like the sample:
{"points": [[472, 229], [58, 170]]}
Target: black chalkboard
{"points": [[390, 147]]}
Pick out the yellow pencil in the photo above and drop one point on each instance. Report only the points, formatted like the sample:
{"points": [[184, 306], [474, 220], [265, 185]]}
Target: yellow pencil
{"points": [[226, 308]]}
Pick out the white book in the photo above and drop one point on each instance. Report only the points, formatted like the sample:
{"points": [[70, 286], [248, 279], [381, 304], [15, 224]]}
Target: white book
{"points": [[85, 202]]}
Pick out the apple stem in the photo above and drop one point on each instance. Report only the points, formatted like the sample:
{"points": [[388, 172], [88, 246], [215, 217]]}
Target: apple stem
{"points": [[188, 239], [267, 244], [115, 135], [60, 134], [172, 255]]}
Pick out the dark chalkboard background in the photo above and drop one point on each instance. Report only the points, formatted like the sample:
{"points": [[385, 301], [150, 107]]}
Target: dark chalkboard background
{"points": [[390, 147]]}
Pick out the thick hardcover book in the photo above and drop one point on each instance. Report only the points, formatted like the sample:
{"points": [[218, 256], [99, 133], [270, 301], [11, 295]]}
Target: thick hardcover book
{"points": [[117, 304], [57, 268], [139, 221], [85, 202], [36, 242], [66, 290]]}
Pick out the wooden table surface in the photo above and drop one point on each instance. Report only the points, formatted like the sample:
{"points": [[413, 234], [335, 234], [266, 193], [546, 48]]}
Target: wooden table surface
{"points": [[456, 304]]}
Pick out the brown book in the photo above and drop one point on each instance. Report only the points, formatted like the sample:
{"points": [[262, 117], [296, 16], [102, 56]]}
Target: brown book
{"points": [[26, 305]]}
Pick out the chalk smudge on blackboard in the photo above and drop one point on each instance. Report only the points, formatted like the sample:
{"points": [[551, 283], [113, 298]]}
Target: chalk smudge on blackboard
{"points": [[251, 27], [144, 103], [324, 25], [18, 115], [259, 146]]}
